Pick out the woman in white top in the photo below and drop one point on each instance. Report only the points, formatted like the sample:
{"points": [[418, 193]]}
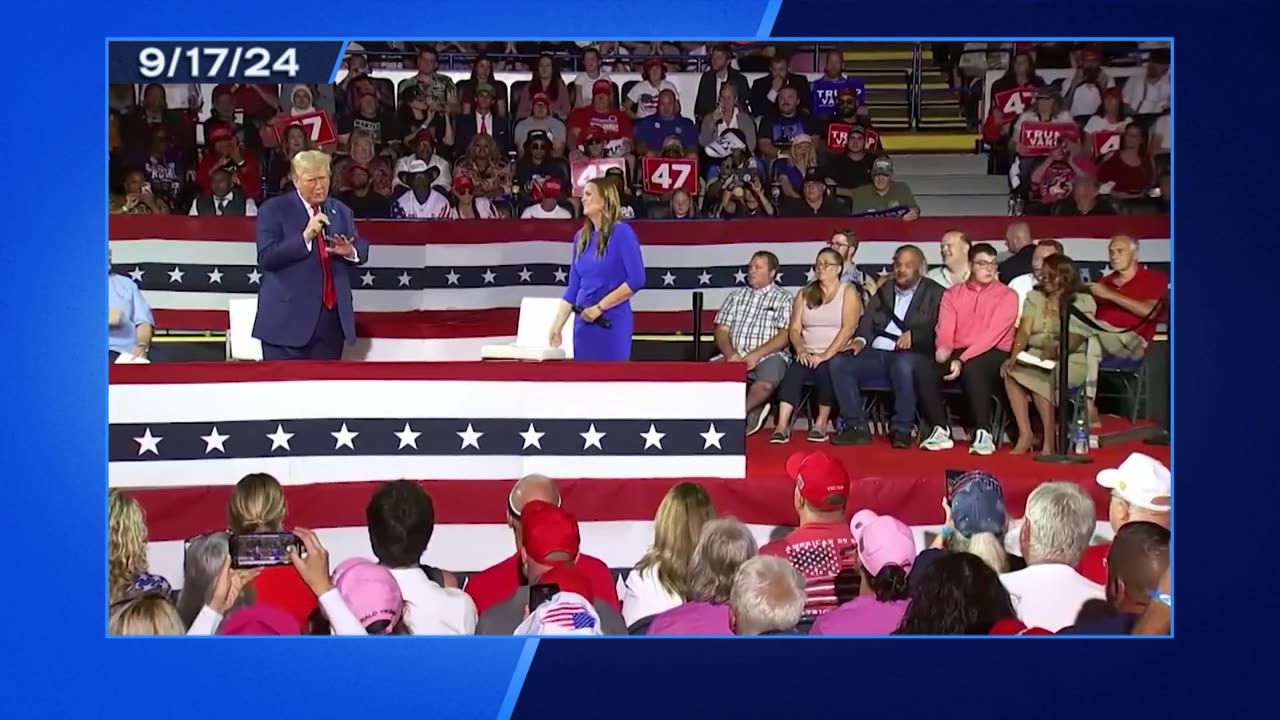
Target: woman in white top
{"points": [[955, 260], [1110, 117], [658, 582], [591, 72], [642, 99]]}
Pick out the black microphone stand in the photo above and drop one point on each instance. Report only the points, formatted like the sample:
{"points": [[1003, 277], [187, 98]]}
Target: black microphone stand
{"points": [[697, 325], [1064, 454], [1161, 435]]}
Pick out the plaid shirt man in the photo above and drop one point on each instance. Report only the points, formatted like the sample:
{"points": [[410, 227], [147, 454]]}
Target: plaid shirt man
{"points": [[754, 316]]}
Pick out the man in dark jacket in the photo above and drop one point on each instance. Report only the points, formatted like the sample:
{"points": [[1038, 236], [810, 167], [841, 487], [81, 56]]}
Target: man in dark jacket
{"points": [[894, 338], [709, 84]]}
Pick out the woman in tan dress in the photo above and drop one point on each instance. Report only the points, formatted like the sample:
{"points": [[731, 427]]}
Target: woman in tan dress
{"points": [[1038, 335]]}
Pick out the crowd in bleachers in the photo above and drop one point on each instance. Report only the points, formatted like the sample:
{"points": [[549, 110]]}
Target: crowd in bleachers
{"points": [[983, 572], [431, 147]]}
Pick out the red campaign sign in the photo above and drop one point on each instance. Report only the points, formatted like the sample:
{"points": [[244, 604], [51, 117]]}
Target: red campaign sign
{"points": [[1041, 138], [316, 123], [838, 135], [1011, 103], [1105, 141], [584, 171], [663, 175]]}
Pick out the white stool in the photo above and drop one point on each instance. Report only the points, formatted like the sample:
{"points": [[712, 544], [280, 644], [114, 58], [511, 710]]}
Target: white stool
{"points": [[241, 344], [536, 315]]}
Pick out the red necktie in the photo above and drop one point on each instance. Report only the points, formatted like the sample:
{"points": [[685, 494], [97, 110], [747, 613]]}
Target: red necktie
{"points": [[484, 124], [327, 295]]}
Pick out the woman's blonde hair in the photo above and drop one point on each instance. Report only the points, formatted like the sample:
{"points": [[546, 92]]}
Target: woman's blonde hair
{"points": [[362, 138], [676, 530], [149, 614], [812, 292], [126, 542], [256, 505], [610, 215], [988, 546], [486, 140]]}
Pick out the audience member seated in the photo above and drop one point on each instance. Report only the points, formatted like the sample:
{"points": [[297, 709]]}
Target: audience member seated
{"points": [[851, 169], [366, 204], [1085, 200], [884, 193], [1127, 300], [833, 81], [483, 121], [728, 114], [1059, 523], [1110, 117], [725, 544], [1129, 171], [845, 242], [223, 198], [488, 172], [373, 595], [886, 551], [545, 194], [789, 172], [1038, 335], [660, 580], [1019, 245], [822, 548], [420, 113], [767, 598], [680, 207], [129, 319], [570, 611], [752, 326], [433, 84], [847, 112], [481, 74], [764, 91], [999, 135], [1138, 556], [1024, 284], [423, 201], [541, 123], [642, 99], [613, 125], [974, 336], [165, 167], [1149, 93], [537, 162], [140, 122], [364, 155], [497, 582], [280, 162], [1088, 84], [592, 70], [779, 128], [127, 574], [401, 519], [1053, 179], [653, 130], [954, 247], [632, 206], [815, 199], [712, 83], [143, 615], [1047, 108], [201, 563], [257, 504], [546, 80], [957, 593], [548, 539], [224, 151], [380, 122], [1140, 491], [894, 339], [824, 317], [976, 520], [740, 200]]}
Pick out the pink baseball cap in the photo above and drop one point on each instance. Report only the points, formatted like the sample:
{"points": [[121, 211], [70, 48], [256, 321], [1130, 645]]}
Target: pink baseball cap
{"points": [[882, 541], [260, 620], [369, 590]]}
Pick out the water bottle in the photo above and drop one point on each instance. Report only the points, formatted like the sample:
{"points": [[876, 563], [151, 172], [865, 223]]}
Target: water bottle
{"points": [[1080, 432]]}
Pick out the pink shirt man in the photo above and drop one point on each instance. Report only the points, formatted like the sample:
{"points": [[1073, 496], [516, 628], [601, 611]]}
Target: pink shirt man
{"points": [[977, 318]]}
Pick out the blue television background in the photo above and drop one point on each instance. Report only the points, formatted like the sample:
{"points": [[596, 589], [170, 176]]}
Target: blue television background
{"points": [[59, 664]]}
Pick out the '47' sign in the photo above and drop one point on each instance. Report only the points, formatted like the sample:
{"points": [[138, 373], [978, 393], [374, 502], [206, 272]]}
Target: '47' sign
{"points": [[663, 175], [1011, 103], [316, 124], [586, 170]]}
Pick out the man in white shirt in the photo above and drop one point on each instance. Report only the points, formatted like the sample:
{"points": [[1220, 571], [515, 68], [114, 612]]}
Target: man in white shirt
{"points": [[1059, 522], [1149, 94], [751, 327], [401, 519], [1026, 282], [546, 195], [423, 201]]}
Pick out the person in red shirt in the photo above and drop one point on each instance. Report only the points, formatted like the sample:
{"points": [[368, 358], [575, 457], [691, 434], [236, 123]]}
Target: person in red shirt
{"points": [[225, 152], [1140, 491], [614, 125], [822, 548], [1127, 300], [497, 583], [257, 504]]}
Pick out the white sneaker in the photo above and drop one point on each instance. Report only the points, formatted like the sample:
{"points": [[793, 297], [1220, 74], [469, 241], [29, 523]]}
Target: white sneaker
{"points": [[982, 443], [939, 439]]}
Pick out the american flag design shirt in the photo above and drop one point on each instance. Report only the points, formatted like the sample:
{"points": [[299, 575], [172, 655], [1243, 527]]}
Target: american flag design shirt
{"points": [[826, 556]]}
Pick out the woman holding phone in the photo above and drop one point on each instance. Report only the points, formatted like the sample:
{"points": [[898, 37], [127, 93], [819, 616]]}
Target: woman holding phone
{"points": [[607, 269]]}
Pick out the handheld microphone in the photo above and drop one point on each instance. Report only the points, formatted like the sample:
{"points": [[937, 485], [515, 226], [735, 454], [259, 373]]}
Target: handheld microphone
{"points": [[602, 321]]}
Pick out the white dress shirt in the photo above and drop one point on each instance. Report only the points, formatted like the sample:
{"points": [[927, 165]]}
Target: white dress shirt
{"points": [[311, 212], [436, 207], [1023, 285], [431, 609], [250, 207], [1049, 595]]}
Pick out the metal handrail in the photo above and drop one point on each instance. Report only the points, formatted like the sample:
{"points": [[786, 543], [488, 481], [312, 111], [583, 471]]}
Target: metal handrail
{"points": [[914, 90]]}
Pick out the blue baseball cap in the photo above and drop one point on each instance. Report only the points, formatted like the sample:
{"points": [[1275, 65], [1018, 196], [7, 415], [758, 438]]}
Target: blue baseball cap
{"points": [[978, 504]]}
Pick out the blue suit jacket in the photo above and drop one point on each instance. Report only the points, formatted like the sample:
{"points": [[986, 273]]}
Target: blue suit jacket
{"points": [[290, 295]]}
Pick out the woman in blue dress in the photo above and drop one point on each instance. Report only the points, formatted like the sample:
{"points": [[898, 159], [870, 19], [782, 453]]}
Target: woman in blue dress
{"points": [[607, 270]]}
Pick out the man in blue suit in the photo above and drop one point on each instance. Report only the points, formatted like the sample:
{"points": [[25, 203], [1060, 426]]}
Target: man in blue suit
{"points": [[307, 253]]}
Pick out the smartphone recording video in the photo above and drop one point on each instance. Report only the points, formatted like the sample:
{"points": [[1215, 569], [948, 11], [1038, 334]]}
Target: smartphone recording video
{"points": [[255, 550], [953, 482]]}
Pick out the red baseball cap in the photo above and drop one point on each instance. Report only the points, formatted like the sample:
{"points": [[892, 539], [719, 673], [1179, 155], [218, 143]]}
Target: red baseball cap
{"points": [[821, 479], [463, 182], [570, 579], [541, 97], [545, 530], [602, 87], [551, 187], [220, 132]]}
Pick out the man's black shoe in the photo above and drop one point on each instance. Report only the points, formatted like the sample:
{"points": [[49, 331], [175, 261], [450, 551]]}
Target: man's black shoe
{"points": [[902, 438], [853, 435]]}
